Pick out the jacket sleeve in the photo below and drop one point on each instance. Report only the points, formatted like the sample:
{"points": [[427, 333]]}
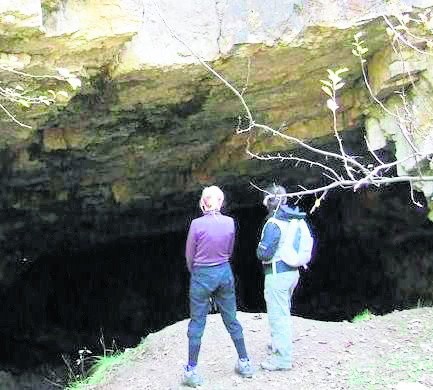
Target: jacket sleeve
{"points": [[232, 238], [269, 242], [190, 247]]}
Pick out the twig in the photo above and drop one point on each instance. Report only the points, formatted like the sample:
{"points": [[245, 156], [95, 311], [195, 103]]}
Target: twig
{"points": [[311, 148], [33, 76], [52, 382], [13, 118], [412, 195], [298, 159], [402, 39]]}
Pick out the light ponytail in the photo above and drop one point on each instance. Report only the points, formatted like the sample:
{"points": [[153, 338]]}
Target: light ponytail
{"points": [[211, 199]]}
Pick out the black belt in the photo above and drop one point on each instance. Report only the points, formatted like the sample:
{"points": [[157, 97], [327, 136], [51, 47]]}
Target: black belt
{"points": [[280, 266]]}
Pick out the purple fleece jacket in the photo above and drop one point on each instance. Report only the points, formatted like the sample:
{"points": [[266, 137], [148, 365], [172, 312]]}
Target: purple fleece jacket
{"points": [[210, 240]]}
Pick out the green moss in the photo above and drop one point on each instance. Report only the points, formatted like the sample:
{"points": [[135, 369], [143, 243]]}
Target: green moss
{"points": [[54, 139], [49, 6], [76, 138], [122, 192], [23, 162], [378, 69], [62, 196], [430, 214]]}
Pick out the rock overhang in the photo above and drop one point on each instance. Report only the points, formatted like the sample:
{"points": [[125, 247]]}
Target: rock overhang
{"points": [[150, 126]]}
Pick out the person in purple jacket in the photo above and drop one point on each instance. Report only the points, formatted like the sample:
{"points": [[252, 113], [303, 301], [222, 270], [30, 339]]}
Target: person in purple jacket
{"points": [[209, 247]]}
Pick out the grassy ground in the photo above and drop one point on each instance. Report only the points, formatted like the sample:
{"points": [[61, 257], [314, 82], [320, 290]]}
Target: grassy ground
{"points": [[104, 366]]}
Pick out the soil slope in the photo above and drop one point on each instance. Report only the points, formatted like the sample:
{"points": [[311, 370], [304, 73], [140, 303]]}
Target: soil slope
{"points": [[394, 351]]}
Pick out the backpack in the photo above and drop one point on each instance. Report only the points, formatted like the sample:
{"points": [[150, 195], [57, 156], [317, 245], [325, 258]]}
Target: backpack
{"points": [[297, 241]]}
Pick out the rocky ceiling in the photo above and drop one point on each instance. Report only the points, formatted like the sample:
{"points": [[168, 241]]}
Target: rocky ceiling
{"points": [[126, 152]]}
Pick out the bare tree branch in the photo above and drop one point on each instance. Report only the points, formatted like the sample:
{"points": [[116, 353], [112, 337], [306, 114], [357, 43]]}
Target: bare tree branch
{"points": [[13, 117], [21, 97], [355, 174], [29, 75]]}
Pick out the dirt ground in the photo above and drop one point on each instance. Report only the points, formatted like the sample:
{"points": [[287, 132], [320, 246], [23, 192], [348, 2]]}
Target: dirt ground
{"points": [[394, 351]]}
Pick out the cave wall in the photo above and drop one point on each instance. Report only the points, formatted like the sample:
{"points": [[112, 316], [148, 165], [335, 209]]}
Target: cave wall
{"points": [[123, 153]]}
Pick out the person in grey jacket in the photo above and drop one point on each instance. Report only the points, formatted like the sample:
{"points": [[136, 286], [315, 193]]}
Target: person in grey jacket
{"points": [[280, 278]]}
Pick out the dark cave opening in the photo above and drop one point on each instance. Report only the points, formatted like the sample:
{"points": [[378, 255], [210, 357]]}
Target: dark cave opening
{"points": [[121, 292], [128, 288], [342, 280]]}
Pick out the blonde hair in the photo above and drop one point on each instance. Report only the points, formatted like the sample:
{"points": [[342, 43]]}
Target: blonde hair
{"points": [[211, 199]]}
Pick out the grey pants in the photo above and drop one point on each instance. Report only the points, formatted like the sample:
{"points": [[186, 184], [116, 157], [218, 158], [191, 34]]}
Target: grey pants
{"points": [[278, 295]]}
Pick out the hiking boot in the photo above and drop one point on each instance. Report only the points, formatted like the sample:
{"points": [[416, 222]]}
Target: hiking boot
{"points": [[191, 378], [244, 368], [269, 365]]}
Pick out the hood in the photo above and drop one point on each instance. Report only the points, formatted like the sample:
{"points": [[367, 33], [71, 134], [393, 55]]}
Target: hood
{"points": [[285, 212]]}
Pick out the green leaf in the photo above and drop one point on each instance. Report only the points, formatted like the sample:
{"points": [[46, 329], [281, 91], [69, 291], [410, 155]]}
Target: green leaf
{"points": [[389, 31], [405, 19], [333, 76], [326, 82], [64, 72], [62, 94], [358, 35], [327, 90], [339, 85], [24, 103], [342, 70], [74, 82]]}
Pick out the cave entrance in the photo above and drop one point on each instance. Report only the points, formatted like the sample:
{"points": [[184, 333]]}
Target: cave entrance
{"points": [[125, 289]]}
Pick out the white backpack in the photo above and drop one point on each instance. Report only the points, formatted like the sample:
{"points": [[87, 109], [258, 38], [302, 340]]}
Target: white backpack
{"points": [[296, 242]]}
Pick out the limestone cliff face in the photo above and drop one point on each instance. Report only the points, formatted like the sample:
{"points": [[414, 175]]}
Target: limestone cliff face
{"points": [[125, 152]]}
